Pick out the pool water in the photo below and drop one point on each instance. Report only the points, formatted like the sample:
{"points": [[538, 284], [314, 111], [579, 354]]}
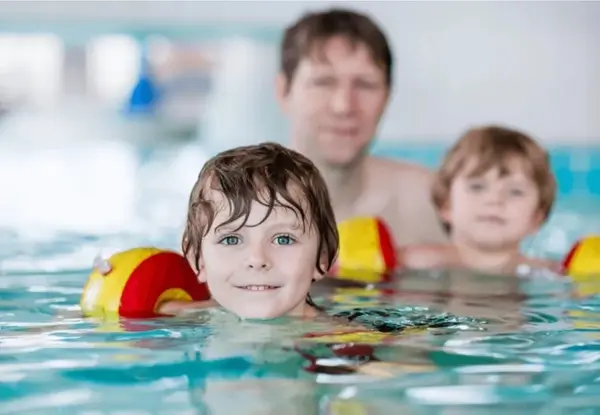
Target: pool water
{"points": [[450, 342]]}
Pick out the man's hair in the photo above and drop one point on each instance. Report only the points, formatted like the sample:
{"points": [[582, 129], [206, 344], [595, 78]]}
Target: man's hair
{"points": [[496, 147], [269, 174], [307, 36]]}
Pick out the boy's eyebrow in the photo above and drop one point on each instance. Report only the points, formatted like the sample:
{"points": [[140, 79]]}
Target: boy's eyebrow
{"points": [[292, 225], [225, 228], [283, 224]]}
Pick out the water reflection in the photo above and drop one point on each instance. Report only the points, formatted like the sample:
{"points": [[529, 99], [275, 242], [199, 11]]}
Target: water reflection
{"points": [[460, 342]]}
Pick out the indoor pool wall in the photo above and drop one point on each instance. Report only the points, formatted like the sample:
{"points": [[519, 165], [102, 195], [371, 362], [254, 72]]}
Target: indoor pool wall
{"points": [[577, 168]]}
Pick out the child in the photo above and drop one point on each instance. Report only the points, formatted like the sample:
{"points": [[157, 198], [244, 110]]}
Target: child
{"points": [[260, 229], [494, 188]]}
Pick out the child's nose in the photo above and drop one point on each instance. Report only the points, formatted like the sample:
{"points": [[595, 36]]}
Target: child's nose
{"points": [[258, 259], [495, 198]]}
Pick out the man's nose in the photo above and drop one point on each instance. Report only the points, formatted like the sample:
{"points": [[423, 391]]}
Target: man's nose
{"points": [[258, 259], [342, 101]]}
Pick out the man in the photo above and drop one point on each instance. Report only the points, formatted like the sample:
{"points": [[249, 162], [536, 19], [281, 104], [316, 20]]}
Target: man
{"points": [[334, 84]]}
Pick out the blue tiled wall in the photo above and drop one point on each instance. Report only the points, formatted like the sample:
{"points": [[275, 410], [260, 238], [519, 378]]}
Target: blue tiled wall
{"points": [[577, 169]]}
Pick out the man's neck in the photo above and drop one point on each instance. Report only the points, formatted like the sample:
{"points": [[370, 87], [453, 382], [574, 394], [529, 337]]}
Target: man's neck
{"points": [[345, 183]]}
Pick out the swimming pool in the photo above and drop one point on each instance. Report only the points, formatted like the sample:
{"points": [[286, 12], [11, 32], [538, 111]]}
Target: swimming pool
{"points": [[494, 345]]}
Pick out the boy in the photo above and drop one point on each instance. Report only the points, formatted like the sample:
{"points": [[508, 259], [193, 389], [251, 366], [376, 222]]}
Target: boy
{"points": [[494, 188], [260, 229]]}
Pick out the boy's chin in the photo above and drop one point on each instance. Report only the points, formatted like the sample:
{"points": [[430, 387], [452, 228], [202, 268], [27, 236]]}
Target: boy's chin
{"points": [[261, 313], [267, 313], [497, 244]]}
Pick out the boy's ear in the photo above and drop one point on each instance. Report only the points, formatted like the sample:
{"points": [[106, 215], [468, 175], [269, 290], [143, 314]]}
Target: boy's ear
{"points": [[537, 221], [201, 274], [323, 265], [198, 268], [444, 213], [201, 271]]}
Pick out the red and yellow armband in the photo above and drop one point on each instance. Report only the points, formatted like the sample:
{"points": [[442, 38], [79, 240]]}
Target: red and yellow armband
{"points": [[367, 251], [582, 264], [134, 283]]}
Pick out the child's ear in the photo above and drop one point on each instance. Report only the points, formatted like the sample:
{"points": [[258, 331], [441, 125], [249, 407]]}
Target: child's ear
{"points": [[444, 213], [323, 265], [537, 221], [198, 268], [201, 271]]}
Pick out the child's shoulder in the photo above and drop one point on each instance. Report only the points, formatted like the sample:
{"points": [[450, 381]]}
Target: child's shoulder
{"points": [[428, 256]]}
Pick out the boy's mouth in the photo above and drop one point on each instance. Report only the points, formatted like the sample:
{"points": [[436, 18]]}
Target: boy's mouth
{"points": [[492, 219], [255, 287]]}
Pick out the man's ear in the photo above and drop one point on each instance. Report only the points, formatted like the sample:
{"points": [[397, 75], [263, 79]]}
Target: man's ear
{"points": [[281, 91]]}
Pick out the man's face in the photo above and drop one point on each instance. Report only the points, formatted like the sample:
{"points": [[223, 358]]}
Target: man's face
{"points": [[335, 101]]}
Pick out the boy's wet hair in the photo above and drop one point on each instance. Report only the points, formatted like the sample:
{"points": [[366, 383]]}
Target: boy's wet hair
{"points": [[496, 147], [307, 36], [269, 174]]}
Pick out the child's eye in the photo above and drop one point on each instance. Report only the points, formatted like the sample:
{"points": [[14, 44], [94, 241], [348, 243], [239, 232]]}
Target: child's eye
{"points": [[284, 240], [230, 240], [517, 192], [476, 186]]}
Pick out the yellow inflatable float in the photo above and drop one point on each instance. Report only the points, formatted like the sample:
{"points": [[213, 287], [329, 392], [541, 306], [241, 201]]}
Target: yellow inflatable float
{"points": [[584, 258], [134, 283], [582, 264], [367, 251]]}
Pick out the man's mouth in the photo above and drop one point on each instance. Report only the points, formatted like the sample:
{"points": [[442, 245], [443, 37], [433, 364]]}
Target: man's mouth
{"points": [[343, 131], [254, 287]]}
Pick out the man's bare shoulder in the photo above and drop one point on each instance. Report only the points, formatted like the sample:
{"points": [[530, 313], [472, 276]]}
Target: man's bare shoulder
{"points": [[409, 185], [402, 171]]}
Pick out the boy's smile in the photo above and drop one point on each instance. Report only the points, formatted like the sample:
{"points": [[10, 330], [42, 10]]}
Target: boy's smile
{"points": [[262, 265], [494, 210]]}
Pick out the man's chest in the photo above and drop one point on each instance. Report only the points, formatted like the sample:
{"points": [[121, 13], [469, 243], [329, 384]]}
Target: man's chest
{"points": [[401, 224]]}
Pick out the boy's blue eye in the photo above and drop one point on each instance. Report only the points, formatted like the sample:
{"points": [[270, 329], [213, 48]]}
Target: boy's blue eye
{"points": [[230, 240], [476, 186], [284, 240], [516, 192]]}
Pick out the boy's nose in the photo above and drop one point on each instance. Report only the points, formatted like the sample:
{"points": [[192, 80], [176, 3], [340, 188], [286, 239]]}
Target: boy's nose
{"points": [[258, 260], [495, 198]]}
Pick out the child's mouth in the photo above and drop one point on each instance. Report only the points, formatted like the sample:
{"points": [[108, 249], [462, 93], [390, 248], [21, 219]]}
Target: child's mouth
{"points": [[258, 287], [494, 220]]}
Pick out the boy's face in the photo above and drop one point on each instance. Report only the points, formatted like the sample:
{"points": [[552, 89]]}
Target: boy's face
{"points": [[493, 211], [261, 270], [335, 102]]}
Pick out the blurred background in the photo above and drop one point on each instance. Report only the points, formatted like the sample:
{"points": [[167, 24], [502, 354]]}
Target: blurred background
{"points": [[108, 109]]}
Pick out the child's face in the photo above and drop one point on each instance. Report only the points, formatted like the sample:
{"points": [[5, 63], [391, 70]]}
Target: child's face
{"points": [[261, 270], [493, 211]]}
